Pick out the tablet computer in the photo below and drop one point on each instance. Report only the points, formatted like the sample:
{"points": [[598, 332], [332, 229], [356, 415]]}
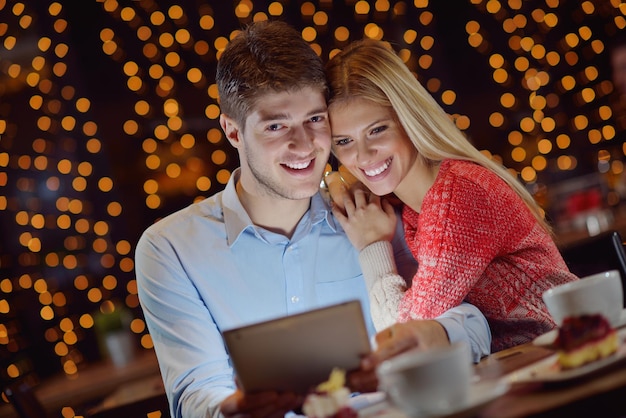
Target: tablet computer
{"points": [[297, 352]]}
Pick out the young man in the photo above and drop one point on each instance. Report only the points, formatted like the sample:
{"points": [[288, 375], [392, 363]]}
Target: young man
{"points": [[267, 246]]}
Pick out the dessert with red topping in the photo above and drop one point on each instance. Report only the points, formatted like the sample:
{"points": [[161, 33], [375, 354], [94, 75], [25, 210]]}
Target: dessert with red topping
{"points": [[584, 339], [330, 399]]}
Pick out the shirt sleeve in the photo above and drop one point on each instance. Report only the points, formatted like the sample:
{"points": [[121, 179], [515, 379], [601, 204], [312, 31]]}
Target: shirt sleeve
{"points": [[466, 322], [193, 361], [386, 288]]}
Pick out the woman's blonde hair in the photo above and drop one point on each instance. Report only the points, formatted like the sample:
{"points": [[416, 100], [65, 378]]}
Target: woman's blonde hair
{"points": [[371, 70]]}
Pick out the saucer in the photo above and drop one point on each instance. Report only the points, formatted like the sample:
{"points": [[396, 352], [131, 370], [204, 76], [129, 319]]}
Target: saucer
{"points": [[549, 337], [481, 393]]}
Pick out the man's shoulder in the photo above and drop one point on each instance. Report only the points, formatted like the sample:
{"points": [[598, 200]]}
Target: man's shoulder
{"points": [[209, 209]]}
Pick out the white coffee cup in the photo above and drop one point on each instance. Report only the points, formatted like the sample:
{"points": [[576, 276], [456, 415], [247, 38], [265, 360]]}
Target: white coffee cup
{"points": [[426, 383], [596, 294]]}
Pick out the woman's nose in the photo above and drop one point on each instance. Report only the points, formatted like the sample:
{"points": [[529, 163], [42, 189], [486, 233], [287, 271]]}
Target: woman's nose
{"points": [[364, 152]]}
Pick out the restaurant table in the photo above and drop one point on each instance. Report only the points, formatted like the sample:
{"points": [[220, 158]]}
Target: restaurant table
{"points": [[140, 398], [599, 394], [90, 384]]}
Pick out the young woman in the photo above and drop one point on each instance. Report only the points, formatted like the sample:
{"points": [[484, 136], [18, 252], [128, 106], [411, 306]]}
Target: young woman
{"points": [[475, 231]]}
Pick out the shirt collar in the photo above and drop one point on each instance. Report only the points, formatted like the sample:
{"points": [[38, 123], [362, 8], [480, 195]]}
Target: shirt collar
{"points": [[236, 219]]}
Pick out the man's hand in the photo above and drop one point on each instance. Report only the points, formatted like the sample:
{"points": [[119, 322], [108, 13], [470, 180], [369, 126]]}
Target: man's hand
{"points": [[260, 405], [401, 337]]}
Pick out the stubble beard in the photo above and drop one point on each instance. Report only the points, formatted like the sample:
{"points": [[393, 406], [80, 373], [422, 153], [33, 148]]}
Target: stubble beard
{"points": [[271, 186]]}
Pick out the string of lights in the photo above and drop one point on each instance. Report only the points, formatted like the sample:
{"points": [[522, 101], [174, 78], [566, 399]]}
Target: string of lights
{"points": [[109, 121]]}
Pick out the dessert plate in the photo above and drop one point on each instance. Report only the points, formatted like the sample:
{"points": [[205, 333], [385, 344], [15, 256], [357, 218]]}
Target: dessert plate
{"points": [[548, 370], [365, 400], [546, 339], [481, 393], [549, 337]]}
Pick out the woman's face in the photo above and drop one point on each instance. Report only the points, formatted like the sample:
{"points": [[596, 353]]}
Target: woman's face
{"points": [[370, 142]]}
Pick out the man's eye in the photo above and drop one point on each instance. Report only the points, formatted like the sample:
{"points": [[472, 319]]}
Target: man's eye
{"points": [[274, 127], [317, 119]]}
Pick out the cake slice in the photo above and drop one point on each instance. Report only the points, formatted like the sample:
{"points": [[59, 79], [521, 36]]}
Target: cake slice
{"points": [[584, 339], [330, 399]]}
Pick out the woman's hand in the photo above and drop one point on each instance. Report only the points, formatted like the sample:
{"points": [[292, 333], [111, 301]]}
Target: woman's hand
{"points": [[260, 405], [398, 338], [340, 187], [365, 217], [368, 219]]}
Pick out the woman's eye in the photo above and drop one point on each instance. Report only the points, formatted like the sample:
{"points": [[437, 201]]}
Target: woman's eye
{"points": [[379, 129], [342, 141]]}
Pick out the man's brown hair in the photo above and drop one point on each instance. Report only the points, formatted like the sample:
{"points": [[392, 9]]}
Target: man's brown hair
{"points": [[266, 56]]}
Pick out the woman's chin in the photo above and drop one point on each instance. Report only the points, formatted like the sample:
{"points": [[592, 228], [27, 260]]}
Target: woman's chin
{"points": [[378, 189]]}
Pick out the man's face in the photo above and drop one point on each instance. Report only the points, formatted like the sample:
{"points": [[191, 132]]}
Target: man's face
{"points": [[618, 62], [285, 144]]}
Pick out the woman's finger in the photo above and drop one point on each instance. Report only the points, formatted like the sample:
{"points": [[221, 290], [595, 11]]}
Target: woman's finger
{"points": [[340, 215], [388, 208], [348, 206], [374, 198], [360, 198], [337, 189]]}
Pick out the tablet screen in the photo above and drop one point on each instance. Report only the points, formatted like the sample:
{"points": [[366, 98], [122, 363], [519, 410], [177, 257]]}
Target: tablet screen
{"points": [[297, 352]]}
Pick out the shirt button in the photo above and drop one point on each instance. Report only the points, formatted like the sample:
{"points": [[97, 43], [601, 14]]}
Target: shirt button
{"points": [[295, 299]]}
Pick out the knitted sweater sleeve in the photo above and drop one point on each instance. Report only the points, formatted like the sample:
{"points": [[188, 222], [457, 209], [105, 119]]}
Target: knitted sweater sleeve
{"points": [[463, 226], [385, 286]]}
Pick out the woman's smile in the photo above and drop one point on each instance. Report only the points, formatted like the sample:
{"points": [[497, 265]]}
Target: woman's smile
{"points": [[372, 172]]}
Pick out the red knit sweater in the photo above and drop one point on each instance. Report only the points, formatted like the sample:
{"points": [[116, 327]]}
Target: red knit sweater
{"points": [[476, 240]]}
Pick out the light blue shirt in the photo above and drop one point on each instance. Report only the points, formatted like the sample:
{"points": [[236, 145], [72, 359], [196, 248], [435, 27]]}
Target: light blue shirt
{"points": [[207, 268]]}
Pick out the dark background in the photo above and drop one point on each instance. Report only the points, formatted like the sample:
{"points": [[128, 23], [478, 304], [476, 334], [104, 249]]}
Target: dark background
{"points": [[32, 282]]}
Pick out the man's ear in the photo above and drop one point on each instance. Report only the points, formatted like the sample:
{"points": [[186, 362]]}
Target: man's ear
{"points": [[231, 130]]}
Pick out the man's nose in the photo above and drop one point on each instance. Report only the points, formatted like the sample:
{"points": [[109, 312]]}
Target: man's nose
{"points": [[302, 138]]}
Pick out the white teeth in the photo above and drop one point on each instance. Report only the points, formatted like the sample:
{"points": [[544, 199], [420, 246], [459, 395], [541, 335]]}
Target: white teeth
{"points": [[375, 172], [298, 166]]}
